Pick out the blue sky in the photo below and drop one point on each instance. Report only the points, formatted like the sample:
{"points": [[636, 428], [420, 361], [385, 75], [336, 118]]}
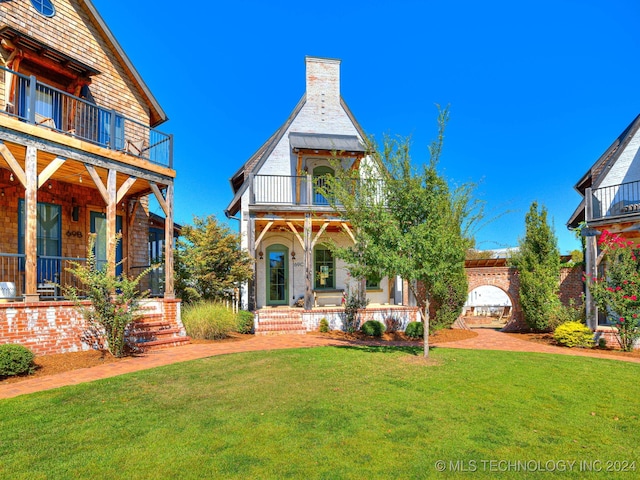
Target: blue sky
{"points": [[537, 90]]}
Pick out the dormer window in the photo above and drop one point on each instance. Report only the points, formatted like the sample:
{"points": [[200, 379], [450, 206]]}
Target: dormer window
{"points": [[44, 7]]}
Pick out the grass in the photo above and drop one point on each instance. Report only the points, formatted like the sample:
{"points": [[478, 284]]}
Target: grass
{"points": [[371, 412]]}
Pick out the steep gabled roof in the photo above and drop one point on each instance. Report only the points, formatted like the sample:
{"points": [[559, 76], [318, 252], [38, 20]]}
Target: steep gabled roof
{"points": [[598, 171], [157, 114], [239, 182]]}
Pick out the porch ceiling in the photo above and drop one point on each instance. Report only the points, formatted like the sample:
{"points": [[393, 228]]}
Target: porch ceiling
{"points": [[71, 171], [282, 225]]}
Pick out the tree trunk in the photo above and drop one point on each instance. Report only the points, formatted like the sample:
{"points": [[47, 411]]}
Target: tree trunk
{"points": [[425, 319]]}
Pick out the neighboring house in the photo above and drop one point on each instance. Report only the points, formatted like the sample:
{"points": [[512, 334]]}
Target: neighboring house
{"points": [[611, 191], [285, 222], [79, 154]]}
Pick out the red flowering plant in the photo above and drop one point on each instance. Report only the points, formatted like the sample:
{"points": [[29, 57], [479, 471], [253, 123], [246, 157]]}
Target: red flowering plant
{"points": [[618, 291]]}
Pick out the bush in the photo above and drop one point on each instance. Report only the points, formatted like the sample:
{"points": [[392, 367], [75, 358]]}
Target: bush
{"points": [[15, 360], [372, 328], [574, 334], [324, 325], [414, 330], [245, 321], [566, 313], [393, 324], [208, 321]]}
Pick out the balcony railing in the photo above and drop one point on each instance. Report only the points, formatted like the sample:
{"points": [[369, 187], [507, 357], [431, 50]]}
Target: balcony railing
{"points": [[302, 190], [53, 276], [40, 104], [613, 201]]}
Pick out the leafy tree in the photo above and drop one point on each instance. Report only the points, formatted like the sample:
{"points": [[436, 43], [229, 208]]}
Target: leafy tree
{"points": [[407, 221], [209, 262], [538, 264]]}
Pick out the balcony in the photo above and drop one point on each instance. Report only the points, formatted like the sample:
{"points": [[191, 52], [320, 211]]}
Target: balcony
{"points": [[300, 191], [40, 104], [615, 202]]}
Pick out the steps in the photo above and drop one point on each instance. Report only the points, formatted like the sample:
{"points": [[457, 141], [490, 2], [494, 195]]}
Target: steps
{"points": [[151, 332], [277, 323]]}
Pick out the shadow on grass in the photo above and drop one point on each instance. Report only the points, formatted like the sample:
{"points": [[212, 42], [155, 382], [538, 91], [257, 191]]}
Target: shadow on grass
{"points": [[415, 351]]}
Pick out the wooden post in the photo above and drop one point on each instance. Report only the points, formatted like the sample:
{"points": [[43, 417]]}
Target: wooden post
{"points": [[168, 245], [591, 267], [31, 214], [308, 263], [111, 221]]}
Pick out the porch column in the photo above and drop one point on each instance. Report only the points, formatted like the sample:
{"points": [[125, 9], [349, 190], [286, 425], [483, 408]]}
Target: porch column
{"points": [[308, 263], [591, 252], [169, 291], [111, 222], [31, 214]]}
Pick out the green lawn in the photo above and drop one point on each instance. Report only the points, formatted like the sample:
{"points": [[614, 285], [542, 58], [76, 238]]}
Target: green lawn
{"points": [[335, 413]]}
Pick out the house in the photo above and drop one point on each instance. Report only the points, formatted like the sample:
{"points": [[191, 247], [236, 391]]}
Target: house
{"points": [[611, 201], [79, 154], [286, 222]]}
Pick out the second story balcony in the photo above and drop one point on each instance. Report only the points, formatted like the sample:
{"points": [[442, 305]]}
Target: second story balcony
{"points": [[305, 192], [613, 203], [32, 101]]}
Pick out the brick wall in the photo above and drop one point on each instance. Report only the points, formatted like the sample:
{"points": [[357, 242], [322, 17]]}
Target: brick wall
{"points": [[57, 327]]}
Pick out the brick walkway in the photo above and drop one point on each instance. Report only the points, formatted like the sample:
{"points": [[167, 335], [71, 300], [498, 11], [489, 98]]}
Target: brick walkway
{"points": [[487, 339]]}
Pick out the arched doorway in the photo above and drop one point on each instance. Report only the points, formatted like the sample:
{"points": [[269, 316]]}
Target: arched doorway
{"points": [[487, 306]]}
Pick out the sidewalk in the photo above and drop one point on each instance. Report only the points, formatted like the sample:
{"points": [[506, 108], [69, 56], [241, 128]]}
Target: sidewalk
{"points": [[487, 339]]}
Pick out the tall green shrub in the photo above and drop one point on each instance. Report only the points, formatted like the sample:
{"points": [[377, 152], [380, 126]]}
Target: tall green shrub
{"points": [[208, 320], [115, 299], [538, 263]]}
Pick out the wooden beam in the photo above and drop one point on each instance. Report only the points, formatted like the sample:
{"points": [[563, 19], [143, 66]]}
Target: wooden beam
{"points": [[348, 230], [262, 234], [168, 245], [322, 229], [356, 163], [111, 222], [31, 214], [159, 197], [98, 182], [295, 232], [308, 264], [13, 164], [49, 170], [124, 188]]}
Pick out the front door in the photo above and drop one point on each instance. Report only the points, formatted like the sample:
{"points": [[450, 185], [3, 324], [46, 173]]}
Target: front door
{"points": [[277, 275], [99, 227]]}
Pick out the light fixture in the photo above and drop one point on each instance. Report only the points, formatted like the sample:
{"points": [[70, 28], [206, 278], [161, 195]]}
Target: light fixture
{"points": [[11, 177], [261, 254], [1, 192], [293, 255], [75, 213], [50, 186], [80, 178]]}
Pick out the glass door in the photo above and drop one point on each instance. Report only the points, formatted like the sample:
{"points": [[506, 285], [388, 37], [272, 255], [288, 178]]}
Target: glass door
{"points": [[277, 275], [99, 227]]}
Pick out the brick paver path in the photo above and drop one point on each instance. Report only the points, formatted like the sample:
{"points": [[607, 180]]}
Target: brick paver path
{"points": [[487, 339]]}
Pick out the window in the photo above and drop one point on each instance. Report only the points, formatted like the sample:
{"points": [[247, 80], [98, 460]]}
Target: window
{"points": [[324, 269], [44, 7], [373, 282]]}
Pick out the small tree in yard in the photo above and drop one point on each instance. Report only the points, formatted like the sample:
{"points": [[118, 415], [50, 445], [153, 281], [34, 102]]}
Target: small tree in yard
{"points": [[618, 292], [115, 300], [408, 222], [538, 264], [209, 262]]}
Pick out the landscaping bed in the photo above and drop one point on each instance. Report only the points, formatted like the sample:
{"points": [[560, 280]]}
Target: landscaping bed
{"points": [[441, 336], [547, 339]]}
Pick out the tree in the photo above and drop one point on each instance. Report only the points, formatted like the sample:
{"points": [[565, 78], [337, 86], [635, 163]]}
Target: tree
{"points": [[209, 261], [538, 264], [408, 222]]}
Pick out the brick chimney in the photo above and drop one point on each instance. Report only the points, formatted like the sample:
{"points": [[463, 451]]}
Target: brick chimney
{"points": [[323, 83]]}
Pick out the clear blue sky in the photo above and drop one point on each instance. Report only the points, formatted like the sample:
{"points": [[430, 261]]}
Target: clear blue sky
{"points": [[538, 90]]}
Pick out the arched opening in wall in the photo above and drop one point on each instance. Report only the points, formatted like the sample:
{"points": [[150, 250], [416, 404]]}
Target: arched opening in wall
{"points": [[487, 306]]}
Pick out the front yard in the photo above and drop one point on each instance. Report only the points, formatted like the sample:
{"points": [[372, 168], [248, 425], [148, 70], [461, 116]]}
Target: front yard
{"points": [[348, 412]]}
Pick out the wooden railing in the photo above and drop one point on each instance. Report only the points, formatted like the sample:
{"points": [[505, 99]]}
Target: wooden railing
{"points": [[40, 104], [613, 201]]}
